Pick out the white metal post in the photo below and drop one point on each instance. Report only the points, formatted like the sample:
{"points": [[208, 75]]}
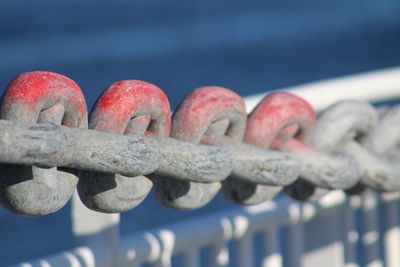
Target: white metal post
{"points": [[392, 229], [272, 256], [370, 237], [350, 232], [99, 229]]}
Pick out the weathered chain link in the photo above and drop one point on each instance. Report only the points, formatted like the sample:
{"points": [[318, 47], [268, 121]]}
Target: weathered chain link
{"points": [[210, 144], [126, 107], [40, 97]]}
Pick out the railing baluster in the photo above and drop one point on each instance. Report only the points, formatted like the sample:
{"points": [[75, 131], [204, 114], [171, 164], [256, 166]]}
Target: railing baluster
{"points": [[219, 255], [273, 256], [370, 238], [245, 251], [350, 232], [191, 258], [244, 241], [392, 232], [295, 238]]}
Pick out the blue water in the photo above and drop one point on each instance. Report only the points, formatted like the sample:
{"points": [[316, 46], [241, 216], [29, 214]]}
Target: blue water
{"points": [[247, 47]]}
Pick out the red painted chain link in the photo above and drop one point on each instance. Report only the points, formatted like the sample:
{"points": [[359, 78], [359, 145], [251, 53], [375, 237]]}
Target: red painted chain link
{"points": [[206, 116], [40, 97], [126, 107], [272, 123], [291, 123], [269, 123]]}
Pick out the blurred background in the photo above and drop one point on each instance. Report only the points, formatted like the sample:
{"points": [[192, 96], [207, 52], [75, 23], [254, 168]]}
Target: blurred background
{"points": [[247, 46]]}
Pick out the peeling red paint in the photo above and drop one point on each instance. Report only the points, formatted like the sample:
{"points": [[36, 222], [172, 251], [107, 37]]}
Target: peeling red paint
{"points": [[279, 118], [125, 102], [32, 92], [205, 106]]}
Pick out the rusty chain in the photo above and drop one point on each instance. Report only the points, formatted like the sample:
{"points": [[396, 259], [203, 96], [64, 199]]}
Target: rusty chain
{"points": [[130, 145]]}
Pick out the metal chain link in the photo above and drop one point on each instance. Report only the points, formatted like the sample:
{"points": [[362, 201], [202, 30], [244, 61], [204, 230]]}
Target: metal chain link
{"points": [[126, 107], [40, 97], [205, 116], [46, 148]]}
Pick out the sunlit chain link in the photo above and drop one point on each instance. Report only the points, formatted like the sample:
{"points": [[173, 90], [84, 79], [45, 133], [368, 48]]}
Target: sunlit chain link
{"points": [[39, 97], [125, 107], [216, 116], [209, 145], [277, 170], [292, 121]]}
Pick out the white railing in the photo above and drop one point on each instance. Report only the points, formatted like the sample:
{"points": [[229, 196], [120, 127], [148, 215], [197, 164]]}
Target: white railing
{"points": [[336, 231]]}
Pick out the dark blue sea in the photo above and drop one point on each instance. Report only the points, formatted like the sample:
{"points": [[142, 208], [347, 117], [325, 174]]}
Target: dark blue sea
{"points": [[247, 46]]}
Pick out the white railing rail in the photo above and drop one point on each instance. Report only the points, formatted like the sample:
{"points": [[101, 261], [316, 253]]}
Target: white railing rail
{"points": [[337, 231], [373, 86], [335, 216]]}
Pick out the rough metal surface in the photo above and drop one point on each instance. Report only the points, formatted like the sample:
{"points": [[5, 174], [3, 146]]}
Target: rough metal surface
{"points": [[34, 190], [278, 169], [291, 122], [262, 166], [194, 122], [48, 145], [326, 170], [210, 145], [197, 163], [275, 120], [125, 107], [352, 129]]}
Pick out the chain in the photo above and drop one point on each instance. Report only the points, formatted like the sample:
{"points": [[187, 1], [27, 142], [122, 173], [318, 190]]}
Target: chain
{"points": [[130, 145]]}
